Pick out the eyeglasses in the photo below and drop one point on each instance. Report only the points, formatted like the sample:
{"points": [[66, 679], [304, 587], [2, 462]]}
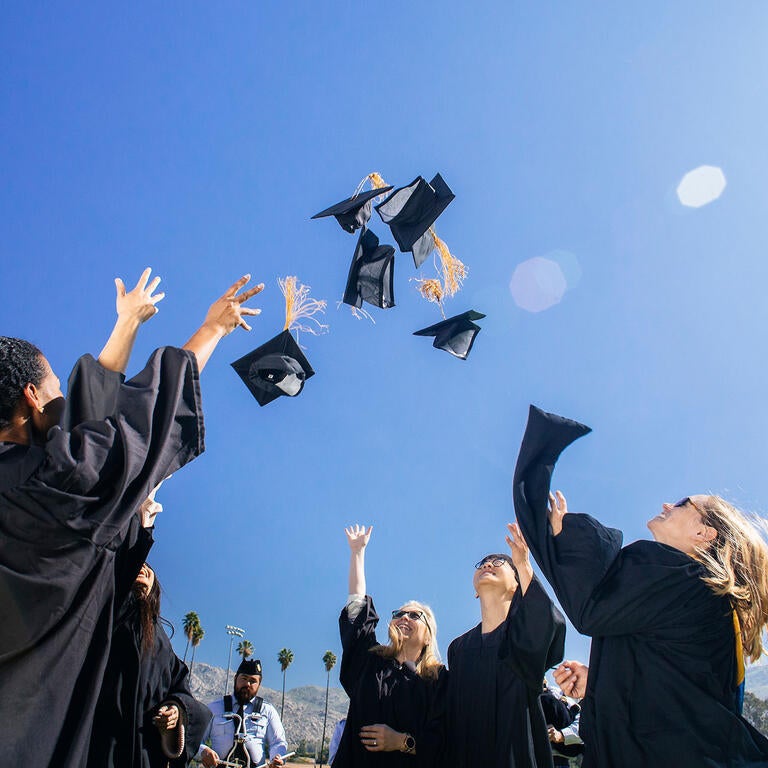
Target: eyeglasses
{"points": [[496, 562], [412, 615]]}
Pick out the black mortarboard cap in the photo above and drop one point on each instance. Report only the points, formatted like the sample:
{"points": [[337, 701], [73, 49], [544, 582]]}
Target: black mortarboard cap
{"points": [[274, 369], [354, 212], [371, 273], [410, 212], [456, 334], [249, 667]]}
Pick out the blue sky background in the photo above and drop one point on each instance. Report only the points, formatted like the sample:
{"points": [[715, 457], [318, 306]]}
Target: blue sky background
{"points": [[198, 138]]}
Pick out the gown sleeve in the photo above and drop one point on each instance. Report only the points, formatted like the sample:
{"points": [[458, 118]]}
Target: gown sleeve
{"points": [[603, 588], [93, 478], [92, 393], [129, 558], [357, 638], [195, 716], [534, 636]]}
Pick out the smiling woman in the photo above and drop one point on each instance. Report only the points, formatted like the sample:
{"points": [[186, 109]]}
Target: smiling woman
{"points": [[669, 618], [392, 688]]}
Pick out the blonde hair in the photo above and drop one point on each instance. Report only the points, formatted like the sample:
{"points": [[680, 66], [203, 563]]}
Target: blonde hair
{"points": [[737, 560], [428, 664]]}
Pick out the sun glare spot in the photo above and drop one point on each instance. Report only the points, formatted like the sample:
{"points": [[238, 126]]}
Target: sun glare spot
{"points": [[538, 284], [701, 186]]}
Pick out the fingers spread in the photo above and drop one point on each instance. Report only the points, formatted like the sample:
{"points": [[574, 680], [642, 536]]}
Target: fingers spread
{"points": [[235, 287], [143, 279], [153, 285], [249, 311], [250, 292], [155, 299]]}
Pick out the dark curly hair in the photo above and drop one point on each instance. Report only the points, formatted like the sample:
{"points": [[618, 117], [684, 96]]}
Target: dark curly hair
{"points": [[21, 363]]}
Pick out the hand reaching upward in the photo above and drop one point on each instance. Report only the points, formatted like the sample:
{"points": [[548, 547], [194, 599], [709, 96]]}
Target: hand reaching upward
{"points": [[558, 509], [358, 537], [138, 304], [520, 556]]}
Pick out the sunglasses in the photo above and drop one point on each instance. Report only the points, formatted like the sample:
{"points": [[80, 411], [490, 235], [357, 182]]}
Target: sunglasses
{"points": [[496, 562], [412, 615], [689, 500]]}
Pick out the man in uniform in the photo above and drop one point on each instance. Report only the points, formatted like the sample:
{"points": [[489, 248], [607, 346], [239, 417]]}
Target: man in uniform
{"points": [[263, 732]]}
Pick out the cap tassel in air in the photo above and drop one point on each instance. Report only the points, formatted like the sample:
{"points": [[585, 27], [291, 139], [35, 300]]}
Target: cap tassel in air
{"points": [[300, 305]]}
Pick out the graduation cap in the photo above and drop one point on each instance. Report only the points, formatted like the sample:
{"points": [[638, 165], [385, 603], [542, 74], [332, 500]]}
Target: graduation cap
{"points": [[411, 211], [355, 211], [371, 273], [249, 667], [455, 335], [276, 368], [279, 367]]}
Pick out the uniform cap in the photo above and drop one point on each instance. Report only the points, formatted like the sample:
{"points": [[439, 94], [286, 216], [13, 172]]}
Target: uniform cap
{"points": [[455, 335], [355, 211], [371, 273], [276, 368], [410, 211]]}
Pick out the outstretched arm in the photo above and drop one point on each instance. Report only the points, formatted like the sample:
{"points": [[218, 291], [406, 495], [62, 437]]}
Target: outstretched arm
{"points": [[224, 315], [357, 538], [133, 308]]}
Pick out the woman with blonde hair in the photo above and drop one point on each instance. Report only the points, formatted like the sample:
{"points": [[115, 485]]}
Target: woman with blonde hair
{"points": [[392, 688], [671, 620]]}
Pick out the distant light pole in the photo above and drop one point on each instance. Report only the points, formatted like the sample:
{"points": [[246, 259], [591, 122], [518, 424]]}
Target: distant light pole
{"points": [[233, 632]]}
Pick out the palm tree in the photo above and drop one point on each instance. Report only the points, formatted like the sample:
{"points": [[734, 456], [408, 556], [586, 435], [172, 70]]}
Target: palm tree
{"points": [[197, 636], [285, 657], [245, 649], [191, 620], [329, 659]]}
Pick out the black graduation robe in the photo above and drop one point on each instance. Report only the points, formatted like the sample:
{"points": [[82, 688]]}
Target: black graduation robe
{"points": [[494, 681], [382, 691], [662, 674], [65, 508], [135, 685]]}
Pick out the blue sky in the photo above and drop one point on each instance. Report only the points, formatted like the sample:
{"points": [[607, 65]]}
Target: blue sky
{"points": [[199, 138]]}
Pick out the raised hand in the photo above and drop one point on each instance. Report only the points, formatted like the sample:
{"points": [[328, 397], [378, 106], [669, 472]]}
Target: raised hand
{"points": [[558, 509], [517, 546], [139, 304], [571, 676], [520, 556], [227, 312], [357, 537], [224, 315]]}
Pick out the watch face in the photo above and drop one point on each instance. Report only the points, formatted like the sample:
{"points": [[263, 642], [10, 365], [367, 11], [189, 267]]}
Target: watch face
{"points": [[410, 742]]}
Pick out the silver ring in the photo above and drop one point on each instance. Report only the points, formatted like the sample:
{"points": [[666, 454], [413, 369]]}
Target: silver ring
{"points": [[374, 743]]}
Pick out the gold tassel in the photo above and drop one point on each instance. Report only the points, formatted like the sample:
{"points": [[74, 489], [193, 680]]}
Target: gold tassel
{"points": [[376, 181], [454, 271], [432, 290], [298, 305]]}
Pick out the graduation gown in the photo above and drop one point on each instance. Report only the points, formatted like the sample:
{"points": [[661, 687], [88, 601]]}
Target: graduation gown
{"points": [[135, 686], [381, 690], [65, 508], [662, 674], [494, 681]]}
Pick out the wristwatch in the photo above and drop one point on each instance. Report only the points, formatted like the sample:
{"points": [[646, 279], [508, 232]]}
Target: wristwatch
{"points": [[409, 744]]}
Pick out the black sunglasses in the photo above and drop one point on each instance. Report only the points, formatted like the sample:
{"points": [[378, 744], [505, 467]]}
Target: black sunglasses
{"points": [[412, 615], [689, 500]]}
